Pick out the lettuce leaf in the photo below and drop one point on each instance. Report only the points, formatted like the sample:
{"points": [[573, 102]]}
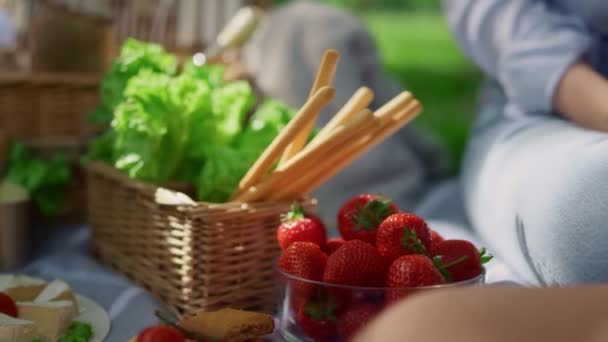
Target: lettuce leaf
{"points": [[135, 56], [166, 124], [149, 126], [225, 120], [221, 174], [45, 180], [101, 148], [189, 126], [212, 74], [264, 125]]}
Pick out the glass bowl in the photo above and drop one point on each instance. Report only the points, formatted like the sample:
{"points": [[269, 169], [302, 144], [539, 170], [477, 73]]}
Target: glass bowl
{"points": [[317, 311]]}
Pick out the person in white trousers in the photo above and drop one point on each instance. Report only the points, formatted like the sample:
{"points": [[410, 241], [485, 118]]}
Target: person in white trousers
{"points": [[534, 176]]}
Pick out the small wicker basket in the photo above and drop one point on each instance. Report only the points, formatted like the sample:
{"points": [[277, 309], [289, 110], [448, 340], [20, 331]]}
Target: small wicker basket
{"points": [[190, 255], [48, 113], [36, 105]]}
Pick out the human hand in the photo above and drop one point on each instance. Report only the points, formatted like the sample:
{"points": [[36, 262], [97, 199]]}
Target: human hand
{"points": [[496, 313], [582, 96]]}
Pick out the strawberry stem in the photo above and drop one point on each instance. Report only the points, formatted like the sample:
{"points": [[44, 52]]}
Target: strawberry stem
{"points": [[456, 262], [438, 262], [443, 268], [410, 241]]}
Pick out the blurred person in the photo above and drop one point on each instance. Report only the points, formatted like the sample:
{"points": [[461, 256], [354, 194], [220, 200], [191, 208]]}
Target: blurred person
{"points": [[284, 58], [497, 314], [8, 32], [8, 38], [534, 174]]}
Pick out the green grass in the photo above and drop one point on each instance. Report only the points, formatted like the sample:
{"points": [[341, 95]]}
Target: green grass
{"points": [[418, 50]]}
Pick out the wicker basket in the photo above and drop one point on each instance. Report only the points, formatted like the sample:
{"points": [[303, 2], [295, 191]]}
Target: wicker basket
{"points": [[48, 112], [35, 106], [189, 255]]}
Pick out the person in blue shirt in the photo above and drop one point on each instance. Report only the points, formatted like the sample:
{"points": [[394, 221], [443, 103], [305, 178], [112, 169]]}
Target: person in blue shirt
{"points": [[535, 174]]}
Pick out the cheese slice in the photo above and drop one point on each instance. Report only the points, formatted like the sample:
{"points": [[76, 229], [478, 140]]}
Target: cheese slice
{"points": [[21, 287], [57, 290], [16, 330], [52, 319]]}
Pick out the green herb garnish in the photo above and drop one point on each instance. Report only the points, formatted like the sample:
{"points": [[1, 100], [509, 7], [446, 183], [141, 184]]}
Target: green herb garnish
{"points": [[78, 332]]}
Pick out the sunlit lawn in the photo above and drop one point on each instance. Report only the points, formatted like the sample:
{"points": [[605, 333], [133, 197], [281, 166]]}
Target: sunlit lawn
{"points": [[418, 50]]}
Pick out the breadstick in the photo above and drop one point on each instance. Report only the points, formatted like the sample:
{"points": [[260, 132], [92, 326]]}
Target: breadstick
{"points": [[384, 114], [258, 191], [338, 162], [359, 101], [327, 70], [394, 106], [311, 156], [377, 137], [325, 76], [387, 112], [342, 134], [310, 109]]}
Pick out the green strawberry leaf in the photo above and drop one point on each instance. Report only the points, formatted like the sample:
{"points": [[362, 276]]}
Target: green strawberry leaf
{"points": [[438, 262], [330, 311], [312, 311], [411, 241], [295, 213], [484, 257], [321, 310], [443, 268], [370, 215]]}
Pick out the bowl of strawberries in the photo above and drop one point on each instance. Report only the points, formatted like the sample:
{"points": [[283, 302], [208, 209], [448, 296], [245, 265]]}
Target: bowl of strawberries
{"points": [[332, 288]]}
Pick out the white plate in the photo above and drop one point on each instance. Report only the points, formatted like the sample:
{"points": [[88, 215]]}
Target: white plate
{"points": [[95, 315]]}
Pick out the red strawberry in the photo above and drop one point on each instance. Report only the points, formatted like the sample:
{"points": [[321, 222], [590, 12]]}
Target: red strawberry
{"points": [[333, 244], [409, 272], [460, 259], [402, 234], [304, 260], [155, 333], [354, 319], [413, 270], [7, 305], [318, 320], [435, 239], [359, 218], [356, 263], [298, 227]]}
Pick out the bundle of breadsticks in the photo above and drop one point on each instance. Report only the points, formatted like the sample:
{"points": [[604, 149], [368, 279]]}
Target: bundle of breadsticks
{"points": [[350, 133]]}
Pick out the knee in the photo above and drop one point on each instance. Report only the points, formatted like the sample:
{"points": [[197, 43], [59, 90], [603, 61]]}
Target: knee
{"points": [[563, 227]]}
